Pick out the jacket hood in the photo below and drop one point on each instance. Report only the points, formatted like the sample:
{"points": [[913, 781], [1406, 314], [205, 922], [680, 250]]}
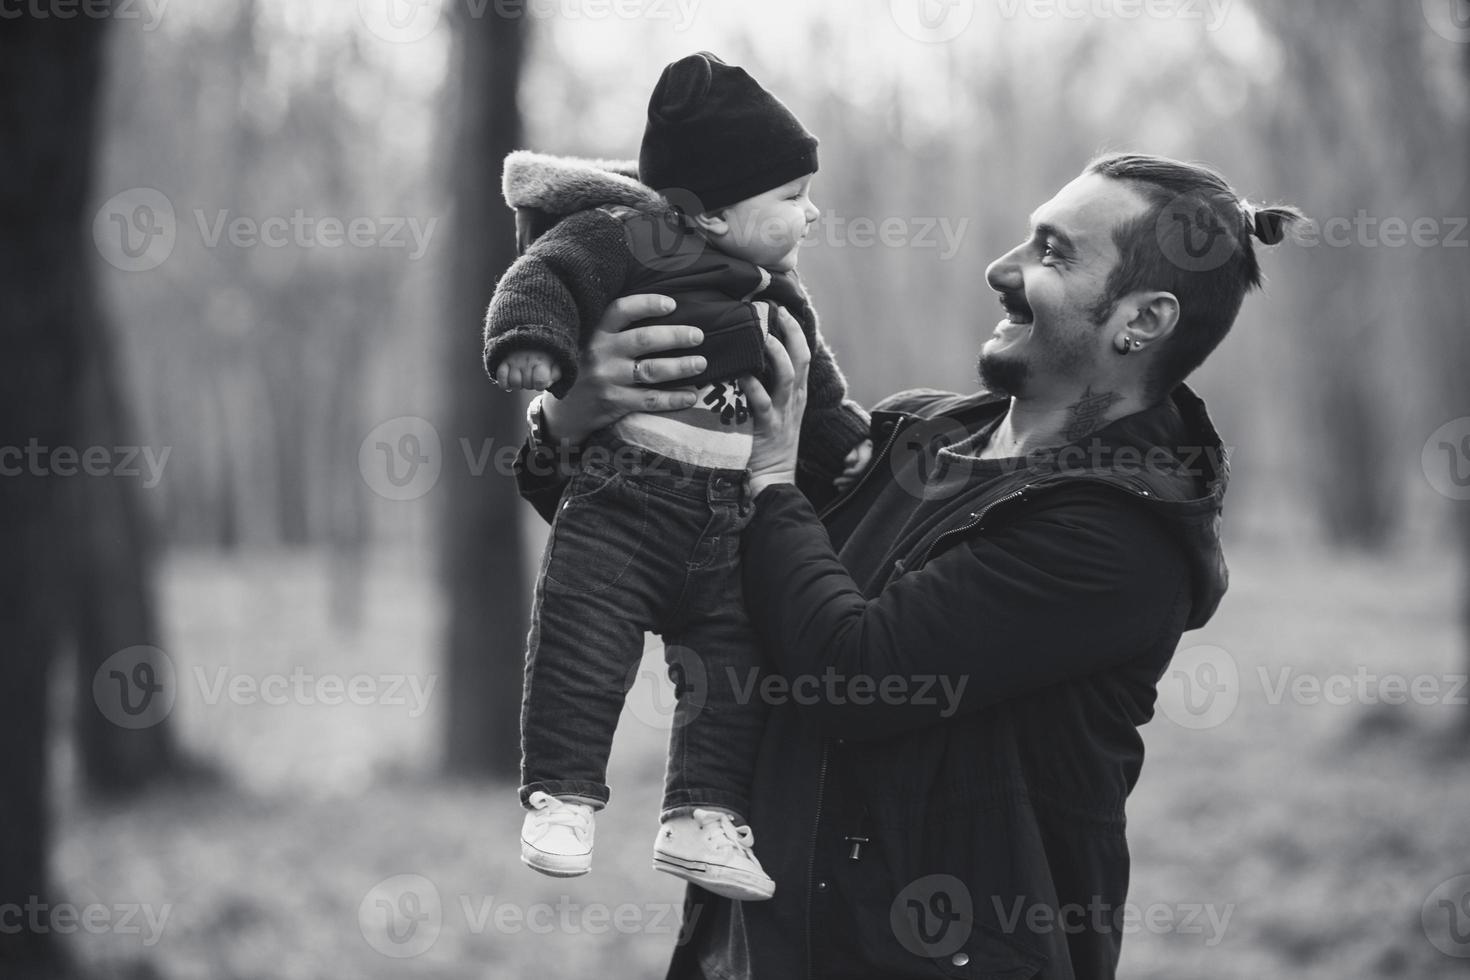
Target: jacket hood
{"points": [[559, 186], [1172, 456]]}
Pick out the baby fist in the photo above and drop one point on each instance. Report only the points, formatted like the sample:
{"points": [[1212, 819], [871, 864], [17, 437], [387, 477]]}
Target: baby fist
{"points": [[527, 369]]}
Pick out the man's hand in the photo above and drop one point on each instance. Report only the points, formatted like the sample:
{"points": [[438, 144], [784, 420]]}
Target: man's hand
{"points": [[617, 363], [523, 369], [777, 413]]}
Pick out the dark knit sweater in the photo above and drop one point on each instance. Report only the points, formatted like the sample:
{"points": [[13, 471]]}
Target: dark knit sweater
{"points": [[590, 235]]}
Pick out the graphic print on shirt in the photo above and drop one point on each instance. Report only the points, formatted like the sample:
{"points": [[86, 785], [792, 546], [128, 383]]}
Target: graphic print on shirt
{"points": [[727, 400]]}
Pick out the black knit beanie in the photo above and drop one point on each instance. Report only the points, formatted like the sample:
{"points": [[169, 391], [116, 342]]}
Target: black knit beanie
{"points": [[714, 133]]}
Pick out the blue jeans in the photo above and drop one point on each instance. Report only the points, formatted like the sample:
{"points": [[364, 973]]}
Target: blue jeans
{"points": [[642, 543]]}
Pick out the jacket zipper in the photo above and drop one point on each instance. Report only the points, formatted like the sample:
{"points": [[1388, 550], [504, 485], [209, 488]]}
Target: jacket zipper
{"points": [[978, 518], [811, 865], [852, 490]]}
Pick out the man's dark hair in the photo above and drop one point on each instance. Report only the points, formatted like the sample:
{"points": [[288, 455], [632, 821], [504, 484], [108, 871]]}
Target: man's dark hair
{"points": [[1192, 240]]}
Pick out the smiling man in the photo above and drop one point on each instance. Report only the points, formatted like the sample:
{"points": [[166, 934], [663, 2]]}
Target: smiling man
{"points": [[1035, 550]]}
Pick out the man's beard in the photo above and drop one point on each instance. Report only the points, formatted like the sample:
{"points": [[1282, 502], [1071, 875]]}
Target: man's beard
{"points": [[1003, 375]]}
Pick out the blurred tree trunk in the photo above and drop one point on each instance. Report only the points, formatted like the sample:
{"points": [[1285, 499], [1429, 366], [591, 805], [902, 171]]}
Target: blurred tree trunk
{"points": [[1317, 151], [1456, 329], [483, 570], [49, 70], [112, 574]]}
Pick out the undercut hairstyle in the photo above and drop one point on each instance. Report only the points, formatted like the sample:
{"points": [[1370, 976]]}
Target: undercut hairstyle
{"points": [[1195, 240]]}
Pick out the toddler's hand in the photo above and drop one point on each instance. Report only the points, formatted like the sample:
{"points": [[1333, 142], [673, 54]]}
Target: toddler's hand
{"points": [[854, 464], [524, 369]]}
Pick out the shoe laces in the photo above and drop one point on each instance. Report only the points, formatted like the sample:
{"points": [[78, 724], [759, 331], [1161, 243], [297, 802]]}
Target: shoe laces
{"points": [[721, 831], [577, 816]]}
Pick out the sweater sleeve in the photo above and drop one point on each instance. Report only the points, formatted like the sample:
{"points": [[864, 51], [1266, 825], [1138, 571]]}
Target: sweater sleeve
{"points": [[552, 297], [833, 424], [1078, 584]]}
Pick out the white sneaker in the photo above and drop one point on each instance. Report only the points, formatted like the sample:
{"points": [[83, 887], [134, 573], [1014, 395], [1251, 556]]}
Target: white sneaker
{"points": [[556, 838], [709, 850]]}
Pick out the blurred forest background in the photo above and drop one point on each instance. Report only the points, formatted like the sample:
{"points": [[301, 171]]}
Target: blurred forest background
{"points": [[332, 497]]}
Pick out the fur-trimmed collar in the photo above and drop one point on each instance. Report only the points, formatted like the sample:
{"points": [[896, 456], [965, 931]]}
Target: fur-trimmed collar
{"points": [[565, 185]]}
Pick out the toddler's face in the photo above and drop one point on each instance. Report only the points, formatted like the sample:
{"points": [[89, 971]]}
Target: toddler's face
{"points": [[766, 229]]}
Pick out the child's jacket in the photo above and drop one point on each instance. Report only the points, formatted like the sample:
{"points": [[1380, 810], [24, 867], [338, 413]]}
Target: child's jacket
{"points": [[589, 233]]}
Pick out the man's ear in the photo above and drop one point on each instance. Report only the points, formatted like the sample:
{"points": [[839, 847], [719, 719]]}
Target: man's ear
{"points": [[1154, 318], [713, 223]]}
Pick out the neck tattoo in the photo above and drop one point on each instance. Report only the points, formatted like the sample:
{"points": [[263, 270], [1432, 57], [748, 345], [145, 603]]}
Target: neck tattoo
{"points": [[1088, 414]]}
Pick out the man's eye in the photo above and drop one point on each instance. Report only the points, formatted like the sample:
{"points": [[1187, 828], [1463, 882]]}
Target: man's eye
{"points": [[1049, 251]]}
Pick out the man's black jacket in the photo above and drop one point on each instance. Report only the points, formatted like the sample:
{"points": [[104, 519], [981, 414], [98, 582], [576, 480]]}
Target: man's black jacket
{"points": [[988, 818]]}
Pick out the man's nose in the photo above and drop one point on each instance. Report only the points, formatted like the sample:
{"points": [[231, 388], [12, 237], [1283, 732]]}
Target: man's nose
{"points": [[1004, 274], [812, 212]]}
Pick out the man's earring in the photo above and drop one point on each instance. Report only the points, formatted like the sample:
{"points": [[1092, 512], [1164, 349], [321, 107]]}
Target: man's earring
{"points": [[1126, 345]]}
